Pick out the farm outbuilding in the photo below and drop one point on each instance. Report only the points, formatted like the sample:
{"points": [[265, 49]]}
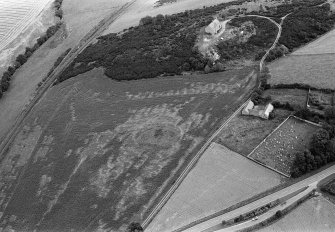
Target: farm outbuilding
{"points": [[214, 27], [258, 111]]}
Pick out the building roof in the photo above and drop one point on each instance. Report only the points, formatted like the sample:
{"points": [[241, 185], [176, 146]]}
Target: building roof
{"points": [[213, 27]]}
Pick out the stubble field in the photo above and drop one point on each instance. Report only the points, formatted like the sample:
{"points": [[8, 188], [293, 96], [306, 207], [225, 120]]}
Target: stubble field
{"points": [[220, 179], [316, 214], [97, 154]]}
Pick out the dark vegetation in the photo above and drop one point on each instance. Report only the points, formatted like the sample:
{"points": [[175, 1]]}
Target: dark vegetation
{"points": [[322, 145], [59, 60], [305, 25], [266, 33], [162, 2], [164, 45], [135, 227], [22, 58], [329, 188]]}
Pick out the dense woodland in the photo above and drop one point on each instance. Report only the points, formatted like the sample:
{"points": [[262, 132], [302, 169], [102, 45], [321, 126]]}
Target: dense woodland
{"points": [[321, 151], [164, 45], [266, 33], [306, 25], [22, 58]]}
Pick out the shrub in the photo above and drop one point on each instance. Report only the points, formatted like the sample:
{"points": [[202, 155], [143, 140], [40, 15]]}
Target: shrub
{"points": [[279, 214]]}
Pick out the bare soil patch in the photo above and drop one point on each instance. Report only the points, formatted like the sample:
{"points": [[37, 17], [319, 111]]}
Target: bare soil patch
{"points": [[278, 150], [220, 179]]}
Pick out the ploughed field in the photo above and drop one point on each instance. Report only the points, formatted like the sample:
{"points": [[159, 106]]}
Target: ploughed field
{"points": [[98, 154], [279, 148], [15, 16]]}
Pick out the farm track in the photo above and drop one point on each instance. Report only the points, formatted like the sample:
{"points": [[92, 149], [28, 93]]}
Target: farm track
{"points": [[84, 42]]}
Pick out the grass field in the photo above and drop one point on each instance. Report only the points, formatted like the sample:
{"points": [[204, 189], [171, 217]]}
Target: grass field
{"points": [[102, 152], [278, 150], [244, 133], [325, 44], [293, 96], [314, 70], [220, 179], [316, 214]]}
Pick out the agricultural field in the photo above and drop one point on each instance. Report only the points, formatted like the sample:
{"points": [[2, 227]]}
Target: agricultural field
{"points": [[279, 148], [97, 154], [297, 97], [313, 70], [243, 133], [16, 15], [315, 214], [41, 16], [220, 179], [323, 45], [79, 16]]}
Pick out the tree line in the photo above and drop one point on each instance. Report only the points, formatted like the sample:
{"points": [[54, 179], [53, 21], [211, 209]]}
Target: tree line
{"points": [[22, 58], [321, 148]]}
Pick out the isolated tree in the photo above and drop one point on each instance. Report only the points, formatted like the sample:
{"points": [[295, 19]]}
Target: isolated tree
{"points": [[319, 142], [135, 227], [21, 59], [59, 13], [146, 20]]}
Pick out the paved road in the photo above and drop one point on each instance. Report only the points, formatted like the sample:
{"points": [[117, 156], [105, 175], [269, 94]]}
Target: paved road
{"points": [[214, 224]]}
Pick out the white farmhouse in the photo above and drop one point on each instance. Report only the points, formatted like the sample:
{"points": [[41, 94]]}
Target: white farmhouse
{"points": [[258, 111], [214, 27]]}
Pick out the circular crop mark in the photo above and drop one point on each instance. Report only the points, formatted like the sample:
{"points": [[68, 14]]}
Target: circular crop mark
{"points": [[162, 135]]}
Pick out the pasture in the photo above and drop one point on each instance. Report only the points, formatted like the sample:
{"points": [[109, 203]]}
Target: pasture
{"points": [[101, 152], [279, 148], [243, 133], [296, 97], [313, 70], [315, 214], [220, 179]]}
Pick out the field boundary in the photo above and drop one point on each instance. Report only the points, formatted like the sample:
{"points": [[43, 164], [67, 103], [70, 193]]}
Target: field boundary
{"points": [[261, 143]]}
